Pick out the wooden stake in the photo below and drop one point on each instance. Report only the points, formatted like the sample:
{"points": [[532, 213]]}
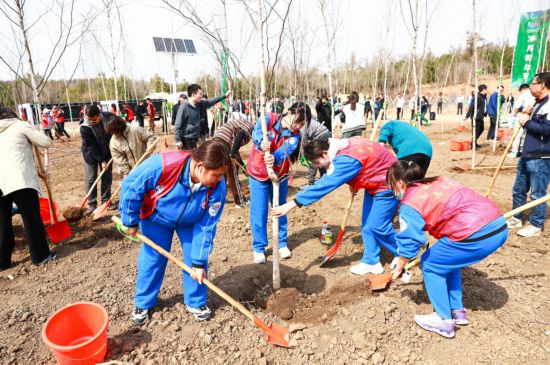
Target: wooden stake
{"points": [[502, 158]]}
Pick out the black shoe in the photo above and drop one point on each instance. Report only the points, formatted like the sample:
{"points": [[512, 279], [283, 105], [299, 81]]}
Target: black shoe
{"points": [[202, 313], [112, 207], [140, 316], [478, 146], [52, 256], [91, 209]]}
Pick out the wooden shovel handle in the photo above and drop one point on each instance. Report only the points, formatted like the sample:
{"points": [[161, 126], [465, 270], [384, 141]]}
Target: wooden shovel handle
{"points": [[95, 183], [187, 269], [376, 124], [502, 158], [47, 184], [527, 206], [346, 213]]}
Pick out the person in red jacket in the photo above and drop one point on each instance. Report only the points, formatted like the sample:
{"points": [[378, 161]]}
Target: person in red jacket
{"points": [[128, 111], [283, 133], [59, 118], [468, 227], [362, 164], [151, 113]]}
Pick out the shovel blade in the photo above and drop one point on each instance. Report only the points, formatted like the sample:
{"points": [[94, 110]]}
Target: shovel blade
{"points": [[100, 211], [58, 231], [379, 282], [332, 251], [275, 334]]}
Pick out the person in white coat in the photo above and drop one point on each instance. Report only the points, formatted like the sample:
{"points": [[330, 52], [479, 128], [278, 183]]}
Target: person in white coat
{"points": [[19, 184]]}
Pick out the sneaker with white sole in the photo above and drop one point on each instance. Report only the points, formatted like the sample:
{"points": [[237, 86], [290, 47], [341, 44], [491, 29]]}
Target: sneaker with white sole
{"points": [[140, 316], [434, 323], [393, 264], [285, 253], [259, 258], [460, 317], [513, 222], [202, 313], [363, 269], [529, 231]]}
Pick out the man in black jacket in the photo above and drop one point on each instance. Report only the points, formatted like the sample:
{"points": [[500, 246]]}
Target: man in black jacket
{"points": [[481, 112], [182, 98], [190, 116], [96, 153], [324, 113]]}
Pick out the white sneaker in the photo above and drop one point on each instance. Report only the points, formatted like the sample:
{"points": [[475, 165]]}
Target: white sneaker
{"points": [[512, 155], [363, 269], [529, 231], [259, 258], [513, 222], [285, 253]]}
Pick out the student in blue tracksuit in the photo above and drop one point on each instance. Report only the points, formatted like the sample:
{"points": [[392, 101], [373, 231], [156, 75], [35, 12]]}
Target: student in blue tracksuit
{"points": [[408, 143], [283, 143], [182, 192], [468, 226]]}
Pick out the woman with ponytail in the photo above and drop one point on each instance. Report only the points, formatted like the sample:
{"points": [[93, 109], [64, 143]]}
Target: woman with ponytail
{"points": [[468, 226]]}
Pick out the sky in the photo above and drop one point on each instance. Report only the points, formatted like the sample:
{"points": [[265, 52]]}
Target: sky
{"points": [[366, 27]]}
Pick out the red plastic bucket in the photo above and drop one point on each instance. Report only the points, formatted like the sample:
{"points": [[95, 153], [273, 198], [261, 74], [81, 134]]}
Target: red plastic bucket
{"points": [[456, 146], [466, 145], [77, 334], [461, 128], [500, 133]]}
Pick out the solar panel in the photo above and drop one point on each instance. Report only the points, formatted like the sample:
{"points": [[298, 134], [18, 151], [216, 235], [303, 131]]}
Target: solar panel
{"points": [[159, 44], [190, 46], [169, 43], [180, 46]]}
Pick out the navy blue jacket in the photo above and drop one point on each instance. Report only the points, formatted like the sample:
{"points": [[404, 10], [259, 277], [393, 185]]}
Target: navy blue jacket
{"points": [[537, 138]]}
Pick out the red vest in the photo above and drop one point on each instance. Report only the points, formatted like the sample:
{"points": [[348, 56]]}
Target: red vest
{"points": [[130, 115], [450, 209], [256, 165], [172, 166], [375, 159]]}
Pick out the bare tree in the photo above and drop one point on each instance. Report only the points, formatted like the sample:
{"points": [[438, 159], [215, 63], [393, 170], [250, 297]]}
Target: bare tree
{"points": [[69, 33]]}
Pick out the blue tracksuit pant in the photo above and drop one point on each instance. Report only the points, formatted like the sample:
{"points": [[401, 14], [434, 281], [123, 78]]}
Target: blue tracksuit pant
{"points": [[441, 266], [151, 266], [261, 193], [377, 228]]}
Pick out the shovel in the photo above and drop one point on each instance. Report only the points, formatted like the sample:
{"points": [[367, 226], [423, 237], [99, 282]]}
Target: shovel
{"points": [[103, 208], [56, 230], [275, 334], [502, 158], [382, 281], [332, 251]]}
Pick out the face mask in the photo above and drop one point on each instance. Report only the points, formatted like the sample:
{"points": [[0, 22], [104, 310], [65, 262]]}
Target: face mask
{"points": [[399, 195]]}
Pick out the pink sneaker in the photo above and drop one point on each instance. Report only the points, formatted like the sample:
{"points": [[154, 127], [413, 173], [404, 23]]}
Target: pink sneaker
{"points": [[459, 315]]}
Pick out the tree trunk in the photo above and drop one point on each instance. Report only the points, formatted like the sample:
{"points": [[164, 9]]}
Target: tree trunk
{"points": [[323, 5], [476, 84]]}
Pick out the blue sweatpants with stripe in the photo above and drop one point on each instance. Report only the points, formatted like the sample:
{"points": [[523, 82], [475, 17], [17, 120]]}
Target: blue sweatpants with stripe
{"points": [[441, 265], [261, 194], [377, 229], [152, 265]]}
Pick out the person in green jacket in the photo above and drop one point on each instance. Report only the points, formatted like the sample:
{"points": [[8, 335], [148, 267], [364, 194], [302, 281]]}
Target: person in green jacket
{"points": [[408, 143]]}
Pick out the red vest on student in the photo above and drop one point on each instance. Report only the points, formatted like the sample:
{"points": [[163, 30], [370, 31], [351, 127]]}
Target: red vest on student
{"points": [[256, 165], [130, 115], [376, 161], [172, 166], [450, 209]]}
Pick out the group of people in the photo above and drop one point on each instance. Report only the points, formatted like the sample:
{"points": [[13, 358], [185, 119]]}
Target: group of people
{"points": [[184, 191]]}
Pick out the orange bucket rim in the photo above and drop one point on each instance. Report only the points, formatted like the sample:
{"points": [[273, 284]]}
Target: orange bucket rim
{"points": [[60, 348]]}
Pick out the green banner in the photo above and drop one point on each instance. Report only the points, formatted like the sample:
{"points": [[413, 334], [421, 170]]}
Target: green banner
{"points": [[224, 80], [530, 47]]}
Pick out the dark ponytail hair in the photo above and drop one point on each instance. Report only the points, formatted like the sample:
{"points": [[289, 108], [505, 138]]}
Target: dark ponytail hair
{"points": [[6, 113], [314, 149], [213, 154], [409, 172], [302, 110]]}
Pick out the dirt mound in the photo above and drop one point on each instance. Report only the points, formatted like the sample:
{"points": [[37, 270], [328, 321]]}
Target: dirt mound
{"points": [[73, 214]]}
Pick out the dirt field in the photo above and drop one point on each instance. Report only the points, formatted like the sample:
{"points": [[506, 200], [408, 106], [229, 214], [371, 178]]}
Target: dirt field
{"points": [[335, 319]]}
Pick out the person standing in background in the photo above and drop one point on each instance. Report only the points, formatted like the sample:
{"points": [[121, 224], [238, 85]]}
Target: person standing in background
{"points": [[368, 108], [439, 100], [141, 110], [324, 113], [480, 112], [496, 101], [459, 104], [399, 103], [352, 117], [151, 113]]}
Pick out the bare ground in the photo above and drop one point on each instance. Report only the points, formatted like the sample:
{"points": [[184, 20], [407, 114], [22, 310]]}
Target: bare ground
{"points": [[335, 319]]}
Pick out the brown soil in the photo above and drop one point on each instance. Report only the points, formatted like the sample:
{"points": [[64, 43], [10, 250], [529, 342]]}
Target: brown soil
{"points": [[73, 213], [332, 315]]}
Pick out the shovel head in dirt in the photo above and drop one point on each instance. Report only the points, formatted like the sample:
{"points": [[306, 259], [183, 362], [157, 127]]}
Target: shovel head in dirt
{"points": [[58, 231], [276, 335], [100, 211]]}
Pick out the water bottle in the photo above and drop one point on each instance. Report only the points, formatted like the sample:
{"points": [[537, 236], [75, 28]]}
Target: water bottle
{"points": [[326, 234]]}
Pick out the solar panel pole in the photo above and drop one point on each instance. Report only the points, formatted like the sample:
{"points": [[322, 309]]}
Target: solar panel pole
{"points": [[174, 72]]}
